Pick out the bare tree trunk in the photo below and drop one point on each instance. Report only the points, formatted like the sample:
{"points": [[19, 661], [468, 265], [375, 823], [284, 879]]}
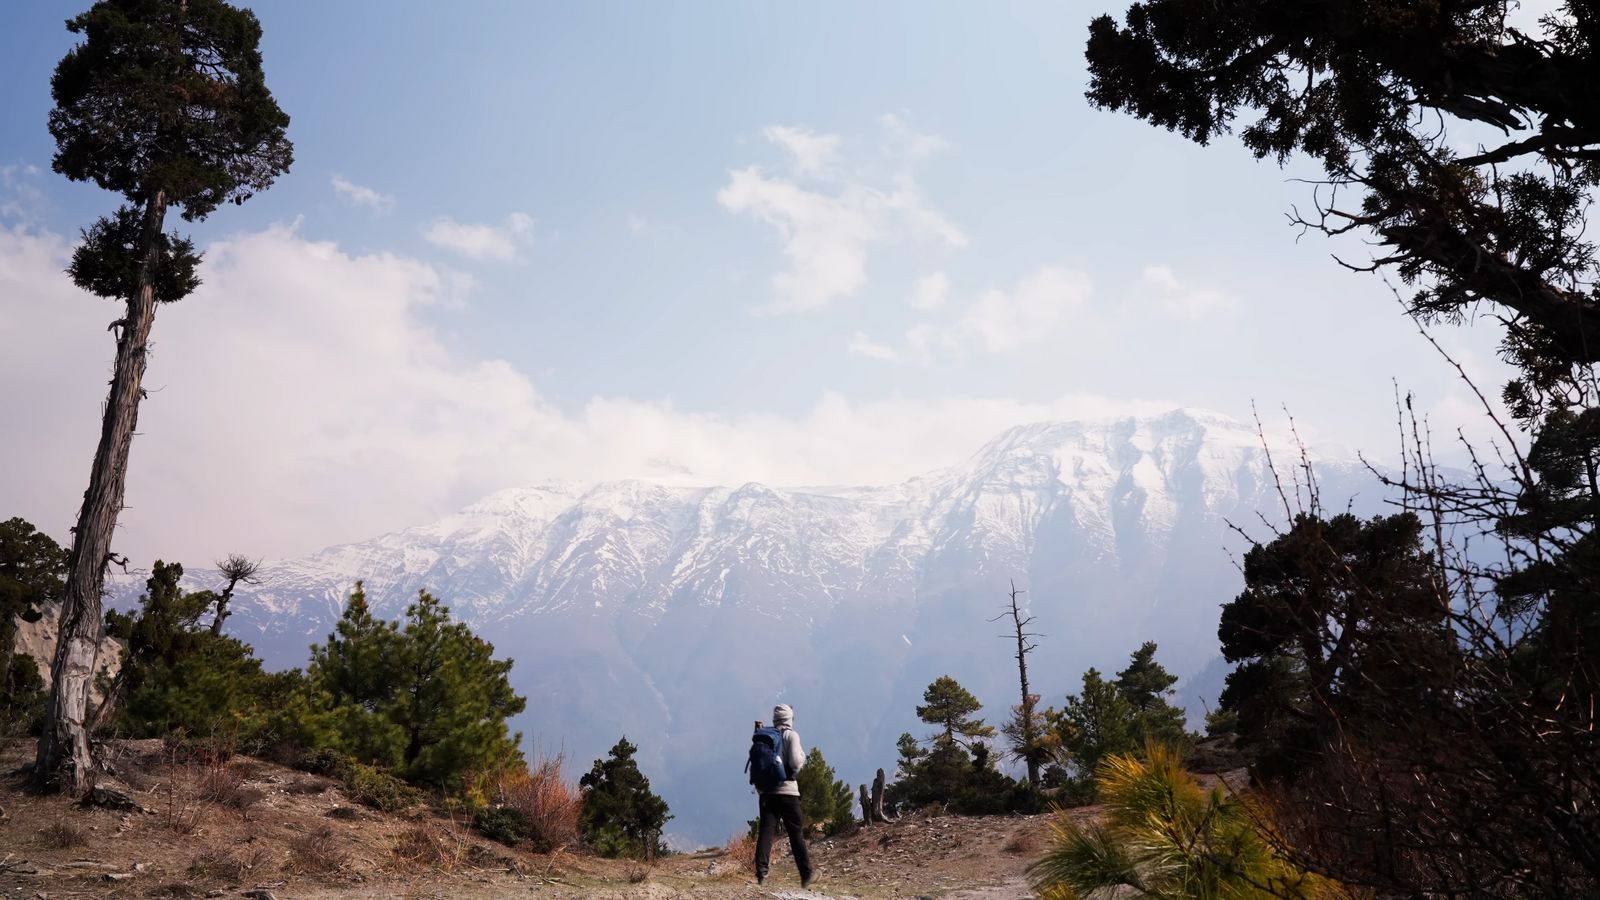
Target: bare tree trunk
{"points": [[1028, 732], [877, 797], [64, 760], [866, 807]]}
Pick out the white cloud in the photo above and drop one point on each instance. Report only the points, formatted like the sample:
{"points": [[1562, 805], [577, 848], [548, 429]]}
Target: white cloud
{"points": [[301, 398], [931, 293], [482, 241], [999, 321], [861, 345], [20, 198], [360, 196], [828, 223], [903, 140], [1180, 300], [813, 153]]}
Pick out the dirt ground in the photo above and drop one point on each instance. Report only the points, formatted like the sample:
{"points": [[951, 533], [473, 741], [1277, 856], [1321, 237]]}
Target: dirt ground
{"points": [[248, 826]]}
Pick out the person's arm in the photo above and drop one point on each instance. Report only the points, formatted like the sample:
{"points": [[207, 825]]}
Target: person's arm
{"points": [[794, 755]]}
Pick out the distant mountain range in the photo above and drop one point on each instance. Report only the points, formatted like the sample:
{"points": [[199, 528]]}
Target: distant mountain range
{"points": [[677, 615]]}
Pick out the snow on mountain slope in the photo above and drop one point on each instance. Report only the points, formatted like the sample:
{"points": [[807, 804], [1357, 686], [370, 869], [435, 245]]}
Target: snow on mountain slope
{"points": [[676, 615]]}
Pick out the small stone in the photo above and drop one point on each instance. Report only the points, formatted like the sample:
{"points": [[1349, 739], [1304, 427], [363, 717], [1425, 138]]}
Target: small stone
{"points": [[116, 876], [260, 894]]}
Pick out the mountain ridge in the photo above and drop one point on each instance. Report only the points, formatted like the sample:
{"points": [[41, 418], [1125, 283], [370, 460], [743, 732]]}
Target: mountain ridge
{"points": [[676, 613]]}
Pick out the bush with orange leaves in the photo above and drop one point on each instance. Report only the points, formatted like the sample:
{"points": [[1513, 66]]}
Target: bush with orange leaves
{"points": [[546, 801]]}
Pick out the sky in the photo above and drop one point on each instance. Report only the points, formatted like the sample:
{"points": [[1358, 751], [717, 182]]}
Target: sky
{"points": [[716, 242]]}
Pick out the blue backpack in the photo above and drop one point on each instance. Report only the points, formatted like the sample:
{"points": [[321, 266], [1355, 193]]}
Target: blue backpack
{"points": [[766, 766]]}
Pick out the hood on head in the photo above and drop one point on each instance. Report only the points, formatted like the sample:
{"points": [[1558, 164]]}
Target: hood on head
{"points": [[782, 715]]}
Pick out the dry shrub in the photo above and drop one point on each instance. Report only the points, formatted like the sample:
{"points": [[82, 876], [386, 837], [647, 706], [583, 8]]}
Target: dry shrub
{"points": [[62, 835], [432, 847], [224, 785], [740, 851], [317, 852], [546, 800], [308, 786], [215, 865], [637, 872], [345, 813], [1022, 842]]}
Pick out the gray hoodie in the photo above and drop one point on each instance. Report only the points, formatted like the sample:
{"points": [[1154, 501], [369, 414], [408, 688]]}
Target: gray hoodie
{"points": [[794, 756]]}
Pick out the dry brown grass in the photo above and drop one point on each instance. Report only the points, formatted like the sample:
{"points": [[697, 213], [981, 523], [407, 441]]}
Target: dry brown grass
{"points": [[637, 872], [62, 835], [433, 847], [547, 800], [229, 867], [318, 852]]}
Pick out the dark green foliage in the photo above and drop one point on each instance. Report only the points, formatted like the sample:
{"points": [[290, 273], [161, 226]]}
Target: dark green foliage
{"points": [[22, 704], [1378, 93], [453, 698], [1148, 688], [427, 699], [362, 783], [1096, 723], [168, 97], [950, 706], [1335, 614], [32, 567], [108, 261], [824, 800], [1221, 721], [621, 816], [502, 824], [176, 675], [956, 771]]}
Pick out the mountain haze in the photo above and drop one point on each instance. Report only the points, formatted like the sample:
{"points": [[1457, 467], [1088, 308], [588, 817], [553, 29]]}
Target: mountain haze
{"points": [[677, 615]]}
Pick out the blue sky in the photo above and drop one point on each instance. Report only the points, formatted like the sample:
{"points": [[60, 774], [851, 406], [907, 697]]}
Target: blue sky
{"points": [[710, 242]]}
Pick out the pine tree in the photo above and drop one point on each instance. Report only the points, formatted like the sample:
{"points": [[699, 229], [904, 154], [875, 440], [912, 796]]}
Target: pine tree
{"points": [[1095, 724], [355, 675], [452, 699], [950, 706], [165, 103], [824, 800], [1147, 687], [621, 816], [160, 634], [428, 699]]}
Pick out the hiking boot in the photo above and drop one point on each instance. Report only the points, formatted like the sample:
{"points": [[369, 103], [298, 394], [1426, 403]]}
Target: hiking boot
{"points": [[761, 878], [808, 880]]}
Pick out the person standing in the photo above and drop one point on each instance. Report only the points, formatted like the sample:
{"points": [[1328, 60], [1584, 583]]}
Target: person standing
{"points": [[780, 799]]}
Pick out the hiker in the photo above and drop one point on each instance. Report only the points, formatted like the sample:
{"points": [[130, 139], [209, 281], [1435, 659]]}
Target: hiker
{"points": [[775, 757]]}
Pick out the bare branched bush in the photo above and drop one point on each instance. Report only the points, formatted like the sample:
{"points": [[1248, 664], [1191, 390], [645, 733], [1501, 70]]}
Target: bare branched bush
{"points": [[740, 852], [547, 801], [1465, 763]]}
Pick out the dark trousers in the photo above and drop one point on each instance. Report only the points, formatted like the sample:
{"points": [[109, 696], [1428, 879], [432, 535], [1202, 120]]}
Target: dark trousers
{"points": [[783, 808]]}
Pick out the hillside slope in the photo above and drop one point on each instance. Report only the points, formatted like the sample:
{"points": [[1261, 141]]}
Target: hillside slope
{"points": [[225, 831]]}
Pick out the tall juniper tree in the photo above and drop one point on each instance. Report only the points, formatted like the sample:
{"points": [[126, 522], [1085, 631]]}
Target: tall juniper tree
{"points": [[164, 102]]}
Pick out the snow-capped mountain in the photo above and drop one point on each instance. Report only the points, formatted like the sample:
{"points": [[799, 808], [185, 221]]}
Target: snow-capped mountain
{"points": [[677, 615]]}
